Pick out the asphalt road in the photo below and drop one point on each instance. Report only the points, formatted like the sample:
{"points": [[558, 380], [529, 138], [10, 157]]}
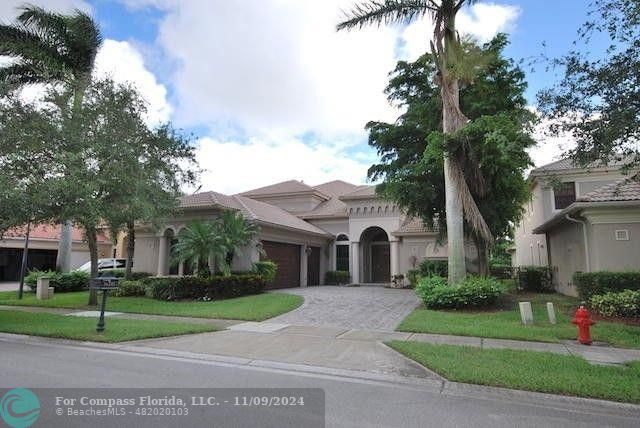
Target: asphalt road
{"points": [[349, 402]]}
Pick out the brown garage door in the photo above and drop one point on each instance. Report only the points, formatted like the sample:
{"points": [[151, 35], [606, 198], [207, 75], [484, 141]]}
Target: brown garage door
{"points": [[287, 257]]}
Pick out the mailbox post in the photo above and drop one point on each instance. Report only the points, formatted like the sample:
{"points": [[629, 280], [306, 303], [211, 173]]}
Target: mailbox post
{"points": [[104, 283]]}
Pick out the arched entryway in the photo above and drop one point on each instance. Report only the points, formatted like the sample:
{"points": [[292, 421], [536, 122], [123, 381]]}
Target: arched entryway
{"points": [[376, 255]]}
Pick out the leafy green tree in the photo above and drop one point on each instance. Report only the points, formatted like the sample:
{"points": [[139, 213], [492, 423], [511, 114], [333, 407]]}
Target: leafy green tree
{"points": [[453, 67], [47, 47], [597, 99], [198, 243], [236, 233], [495, 141]]}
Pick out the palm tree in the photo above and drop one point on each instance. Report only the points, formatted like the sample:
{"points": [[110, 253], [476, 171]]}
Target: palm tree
{"points": [[198, 243], [447, 49], [236, 233], [48, 47]]}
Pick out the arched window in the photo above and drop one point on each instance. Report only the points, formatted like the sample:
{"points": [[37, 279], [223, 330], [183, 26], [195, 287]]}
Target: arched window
{"points": [[342, 237]]}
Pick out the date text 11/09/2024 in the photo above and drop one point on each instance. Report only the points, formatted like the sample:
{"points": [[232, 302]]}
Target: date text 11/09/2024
{"points": [[241, 400]]}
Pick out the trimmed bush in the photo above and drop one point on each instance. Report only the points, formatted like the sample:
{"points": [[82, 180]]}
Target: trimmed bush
{"points": [[413, 276], [267, 269], [501, 271], [62, 282], [536, 279], [137, 276], [473, 292], [210, 288], [337, 277], [118, 273], [594, 283], [129, 288], [623, 304], [434, 268]]}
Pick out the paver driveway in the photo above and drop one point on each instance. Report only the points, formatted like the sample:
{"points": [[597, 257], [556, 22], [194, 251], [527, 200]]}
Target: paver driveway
{"points": [[367, 307]]}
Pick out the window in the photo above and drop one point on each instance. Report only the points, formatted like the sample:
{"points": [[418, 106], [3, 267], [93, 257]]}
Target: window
{"points": [[342, 257], [622, 235], [564, 195], [342, 237]]}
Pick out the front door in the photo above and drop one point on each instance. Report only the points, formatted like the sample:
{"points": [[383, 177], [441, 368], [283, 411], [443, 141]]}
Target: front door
{"points": [[313, 267], [380, 263]]}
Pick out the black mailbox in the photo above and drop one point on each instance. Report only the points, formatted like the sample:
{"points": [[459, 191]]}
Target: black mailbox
{"points": [[105, 283]]}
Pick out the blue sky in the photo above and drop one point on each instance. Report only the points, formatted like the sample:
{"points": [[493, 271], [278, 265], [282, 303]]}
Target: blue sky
{"points": [[268, 87]]}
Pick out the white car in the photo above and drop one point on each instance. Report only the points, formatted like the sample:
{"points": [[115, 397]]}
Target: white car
{"points": [[104, 264]]}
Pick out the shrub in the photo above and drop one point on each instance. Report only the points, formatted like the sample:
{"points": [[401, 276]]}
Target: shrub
{"points": [[62, 282], [473, 292], [267, 269], [413, 275], [594, 283], [337, 277], [195, 287], [617, 304], [137, 276], [434, 268], [128, 288], [501, 271], [534, 278]]}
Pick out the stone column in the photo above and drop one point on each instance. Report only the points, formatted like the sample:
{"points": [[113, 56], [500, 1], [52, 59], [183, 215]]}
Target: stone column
{"points": [[303, 266], [355, 262], [162, 255], [394, 258]]}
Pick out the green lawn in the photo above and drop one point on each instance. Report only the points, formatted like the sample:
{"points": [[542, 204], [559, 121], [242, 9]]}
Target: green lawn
{"points": [[505, 323], [82, 328], [533, 371], [250, 308]]}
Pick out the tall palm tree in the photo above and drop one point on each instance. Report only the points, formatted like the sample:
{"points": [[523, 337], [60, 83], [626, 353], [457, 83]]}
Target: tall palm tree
{"points": [[199, 242], [236, 233], [447, 49], [49, 47]]}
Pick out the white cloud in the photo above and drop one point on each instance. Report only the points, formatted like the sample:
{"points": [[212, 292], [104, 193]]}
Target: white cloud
{"points": [[482, 21], [551, 144], [124, 64], [232, 167]]}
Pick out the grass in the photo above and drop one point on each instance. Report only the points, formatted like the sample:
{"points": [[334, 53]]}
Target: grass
{"points": [[527, 370], [505, 323], [249, 308], [82, 328]]}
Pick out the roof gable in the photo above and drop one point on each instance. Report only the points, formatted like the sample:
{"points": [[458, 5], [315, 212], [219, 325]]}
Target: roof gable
{"points": [[290, 186]]}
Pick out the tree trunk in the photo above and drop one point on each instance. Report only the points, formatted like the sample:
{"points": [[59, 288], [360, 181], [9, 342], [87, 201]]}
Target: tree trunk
{"points": [[452, 121], [63, 258], [483, 257], [131, 247], [92, 241]]}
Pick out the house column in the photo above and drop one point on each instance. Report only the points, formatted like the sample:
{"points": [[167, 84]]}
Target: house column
{"points": [[162, 255], [304, 262], [355, 262], [181, 269], [394, 257]]}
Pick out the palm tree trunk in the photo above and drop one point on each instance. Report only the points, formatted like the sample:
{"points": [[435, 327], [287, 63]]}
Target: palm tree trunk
{"points": [[92, 241], [131, 247]]}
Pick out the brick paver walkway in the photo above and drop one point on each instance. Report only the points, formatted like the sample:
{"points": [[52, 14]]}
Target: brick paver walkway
{"points": [[366, 307]]}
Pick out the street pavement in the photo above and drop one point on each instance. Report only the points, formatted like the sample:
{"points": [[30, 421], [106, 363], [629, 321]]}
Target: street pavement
{"points": [[350, 402]]}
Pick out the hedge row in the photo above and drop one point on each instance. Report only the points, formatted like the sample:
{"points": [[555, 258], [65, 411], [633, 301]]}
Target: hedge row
{"points": [[473, 292], [62, 282], [537, 279], [596, 283], [623, 304], [194, 287], [337, 277]]}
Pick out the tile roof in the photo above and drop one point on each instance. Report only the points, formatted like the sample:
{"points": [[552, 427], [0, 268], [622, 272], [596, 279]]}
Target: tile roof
{"points": [[334, 207], [250, 208], [336, 188], [49, 232], [568, 163], [414, 225], [623, 190], [361, 192], [290, 186]]}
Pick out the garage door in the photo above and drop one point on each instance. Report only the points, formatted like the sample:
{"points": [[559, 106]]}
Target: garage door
{"points": [[287, 257]]}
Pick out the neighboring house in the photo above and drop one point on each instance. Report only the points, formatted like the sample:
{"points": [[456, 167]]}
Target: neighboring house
{"points": [[307, 231], [43, 249], [580, 220]]}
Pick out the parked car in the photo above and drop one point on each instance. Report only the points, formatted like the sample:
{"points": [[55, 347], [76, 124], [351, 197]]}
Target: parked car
{"points": [[105, 264]]}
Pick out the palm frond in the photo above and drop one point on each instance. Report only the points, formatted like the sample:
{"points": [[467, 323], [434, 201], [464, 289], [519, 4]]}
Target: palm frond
{"points": [[386, 12], [471, 212], [21, 42], [21, 74], [51, 25]]}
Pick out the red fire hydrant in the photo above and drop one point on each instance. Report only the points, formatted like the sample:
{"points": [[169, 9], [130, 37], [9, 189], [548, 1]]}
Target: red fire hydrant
{"points": [[582, 319]]}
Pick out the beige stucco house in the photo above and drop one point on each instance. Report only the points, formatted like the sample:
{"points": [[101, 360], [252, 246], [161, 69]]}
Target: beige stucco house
{"points": [[580, 220], [307, 231]]}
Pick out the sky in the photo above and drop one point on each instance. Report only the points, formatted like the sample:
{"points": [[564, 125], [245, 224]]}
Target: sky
{"points": [[271, 92]]}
